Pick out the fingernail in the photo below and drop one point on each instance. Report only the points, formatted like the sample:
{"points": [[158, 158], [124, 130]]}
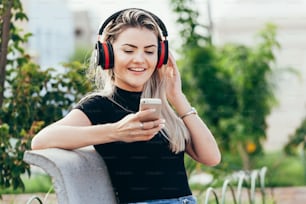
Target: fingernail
{"points": [[162, 125]]}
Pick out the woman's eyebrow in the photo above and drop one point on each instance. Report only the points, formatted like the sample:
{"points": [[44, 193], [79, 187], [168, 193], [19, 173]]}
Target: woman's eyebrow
{"points": [[134, 46]]}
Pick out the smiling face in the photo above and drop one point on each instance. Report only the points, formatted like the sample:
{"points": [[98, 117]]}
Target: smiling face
{"points": [[135, 51]]}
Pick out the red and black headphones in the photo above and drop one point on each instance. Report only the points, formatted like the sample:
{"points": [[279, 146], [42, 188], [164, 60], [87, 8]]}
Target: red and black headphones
{"points": [[104, 51]]}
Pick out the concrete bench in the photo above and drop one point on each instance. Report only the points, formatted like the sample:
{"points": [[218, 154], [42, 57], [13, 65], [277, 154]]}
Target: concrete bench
{"points": [[79, 176]]}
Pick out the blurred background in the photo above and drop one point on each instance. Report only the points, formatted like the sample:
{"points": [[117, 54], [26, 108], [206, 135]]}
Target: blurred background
{"points": [[60, 27], [243, 65]]}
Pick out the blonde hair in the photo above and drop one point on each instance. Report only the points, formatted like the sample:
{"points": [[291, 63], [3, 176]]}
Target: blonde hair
{"points": [[175, 130]]}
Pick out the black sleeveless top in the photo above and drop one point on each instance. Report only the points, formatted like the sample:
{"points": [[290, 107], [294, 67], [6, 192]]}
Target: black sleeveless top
{"points": [[139, 171]]}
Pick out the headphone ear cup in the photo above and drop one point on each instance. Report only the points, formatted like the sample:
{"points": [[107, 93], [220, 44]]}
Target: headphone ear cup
{"points": [[166, 52], [111, 55], [97, 55], [162, 53], [105, 55]]}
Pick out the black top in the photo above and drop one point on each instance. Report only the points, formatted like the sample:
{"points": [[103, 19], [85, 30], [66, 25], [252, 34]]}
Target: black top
{"points": [[139, 171]]}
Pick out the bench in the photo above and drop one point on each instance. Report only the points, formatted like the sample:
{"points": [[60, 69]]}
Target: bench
{"points": [[79, 176]]}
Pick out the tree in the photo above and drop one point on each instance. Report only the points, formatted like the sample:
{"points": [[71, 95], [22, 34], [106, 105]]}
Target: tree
{"points": [[250, 70], [10, 11], [5, 24], [10, 42], [32, 97], [234, 91]]}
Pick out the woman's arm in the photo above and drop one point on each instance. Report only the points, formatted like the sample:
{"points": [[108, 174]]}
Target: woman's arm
{"points": [[75, 130], [202, 147], [71, 132]]}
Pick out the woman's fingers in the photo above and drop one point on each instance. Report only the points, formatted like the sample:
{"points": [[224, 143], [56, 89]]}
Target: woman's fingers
{"points": [[152, 124], [132, 128], [144, 114], [146, 131]]}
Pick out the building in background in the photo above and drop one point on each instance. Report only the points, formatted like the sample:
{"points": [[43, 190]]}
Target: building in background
{"points": [[83, 31], [56, 29]]}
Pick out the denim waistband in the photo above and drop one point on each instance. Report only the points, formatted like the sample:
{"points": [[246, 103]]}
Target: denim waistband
{"points": [[190, 199]]}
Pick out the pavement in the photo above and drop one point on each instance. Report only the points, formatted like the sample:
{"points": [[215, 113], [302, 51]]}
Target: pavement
{"points": [[289, 195], [24, 198], [279, 195]]}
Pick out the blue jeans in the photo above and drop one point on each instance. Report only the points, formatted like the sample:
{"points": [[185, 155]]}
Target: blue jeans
{"points": [[181, 200]]}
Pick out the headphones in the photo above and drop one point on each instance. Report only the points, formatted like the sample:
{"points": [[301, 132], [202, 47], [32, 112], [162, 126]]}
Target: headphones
{"points": [[104, 50]]}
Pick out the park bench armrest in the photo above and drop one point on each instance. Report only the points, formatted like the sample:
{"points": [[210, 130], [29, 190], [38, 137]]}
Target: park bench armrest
{"points": [[79, 176]]}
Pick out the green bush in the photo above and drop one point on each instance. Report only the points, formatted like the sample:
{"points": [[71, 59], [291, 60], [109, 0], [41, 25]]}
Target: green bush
{"points": [[234, 88], [30, 97]]}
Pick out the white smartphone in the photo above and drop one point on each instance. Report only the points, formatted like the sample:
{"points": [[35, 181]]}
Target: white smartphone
{"points": [[151, 103]]}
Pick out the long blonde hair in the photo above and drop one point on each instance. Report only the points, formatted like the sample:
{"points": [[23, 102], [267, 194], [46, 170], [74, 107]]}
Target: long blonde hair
{"points": [[175, 130]]}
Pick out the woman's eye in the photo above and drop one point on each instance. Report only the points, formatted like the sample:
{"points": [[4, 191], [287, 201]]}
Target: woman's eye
{"points": [[150, 52], [128, 51]]}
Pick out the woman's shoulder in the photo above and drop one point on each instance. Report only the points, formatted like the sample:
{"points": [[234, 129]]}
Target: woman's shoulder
{"points": [[92, 100], [95, 107]]}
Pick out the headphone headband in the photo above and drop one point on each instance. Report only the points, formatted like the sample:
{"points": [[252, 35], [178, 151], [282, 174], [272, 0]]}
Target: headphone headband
{"points": [[115, 16]]}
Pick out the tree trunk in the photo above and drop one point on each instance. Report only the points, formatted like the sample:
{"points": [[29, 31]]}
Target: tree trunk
{"points": [[244, 155], [5, 36]]}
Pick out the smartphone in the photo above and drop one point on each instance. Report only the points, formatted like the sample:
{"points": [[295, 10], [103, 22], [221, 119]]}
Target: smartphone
{"points": [[151, 103]]}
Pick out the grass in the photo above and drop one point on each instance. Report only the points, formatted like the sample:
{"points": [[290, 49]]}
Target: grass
{"points": [[283, 170], [37, 183]]}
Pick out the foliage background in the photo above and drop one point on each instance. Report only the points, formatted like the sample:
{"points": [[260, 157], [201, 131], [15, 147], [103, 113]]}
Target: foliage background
{"points": [[234, 86], [234, 91], [31, 97]]}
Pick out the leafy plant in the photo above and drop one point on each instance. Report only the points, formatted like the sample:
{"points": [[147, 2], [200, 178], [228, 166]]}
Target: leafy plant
{"points": [[234, 88], [297, 139], [38, 97], [31, 97], [250, 71], [12, 55]]}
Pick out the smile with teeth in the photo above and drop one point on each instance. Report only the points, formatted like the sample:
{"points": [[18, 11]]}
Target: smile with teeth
{"points": [[136, 69]]}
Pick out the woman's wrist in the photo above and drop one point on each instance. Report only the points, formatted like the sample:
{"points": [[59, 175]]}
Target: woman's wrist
{"points": [[181, 104], [192, 111]]}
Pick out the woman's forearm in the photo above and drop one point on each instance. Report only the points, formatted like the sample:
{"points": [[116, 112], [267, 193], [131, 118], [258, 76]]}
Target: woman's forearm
{"points": [[71, 137], [75, 131], [203, 146]]}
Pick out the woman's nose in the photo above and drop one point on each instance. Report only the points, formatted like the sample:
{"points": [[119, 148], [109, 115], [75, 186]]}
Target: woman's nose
{"points": [[139, 57]]}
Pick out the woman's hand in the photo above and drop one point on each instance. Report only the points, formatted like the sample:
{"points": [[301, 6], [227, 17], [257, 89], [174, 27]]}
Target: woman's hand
{"points": [[132, 129], [173, 80]]}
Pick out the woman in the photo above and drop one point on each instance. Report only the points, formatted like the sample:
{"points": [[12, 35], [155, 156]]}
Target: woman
{"points": [[145, 159]]}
